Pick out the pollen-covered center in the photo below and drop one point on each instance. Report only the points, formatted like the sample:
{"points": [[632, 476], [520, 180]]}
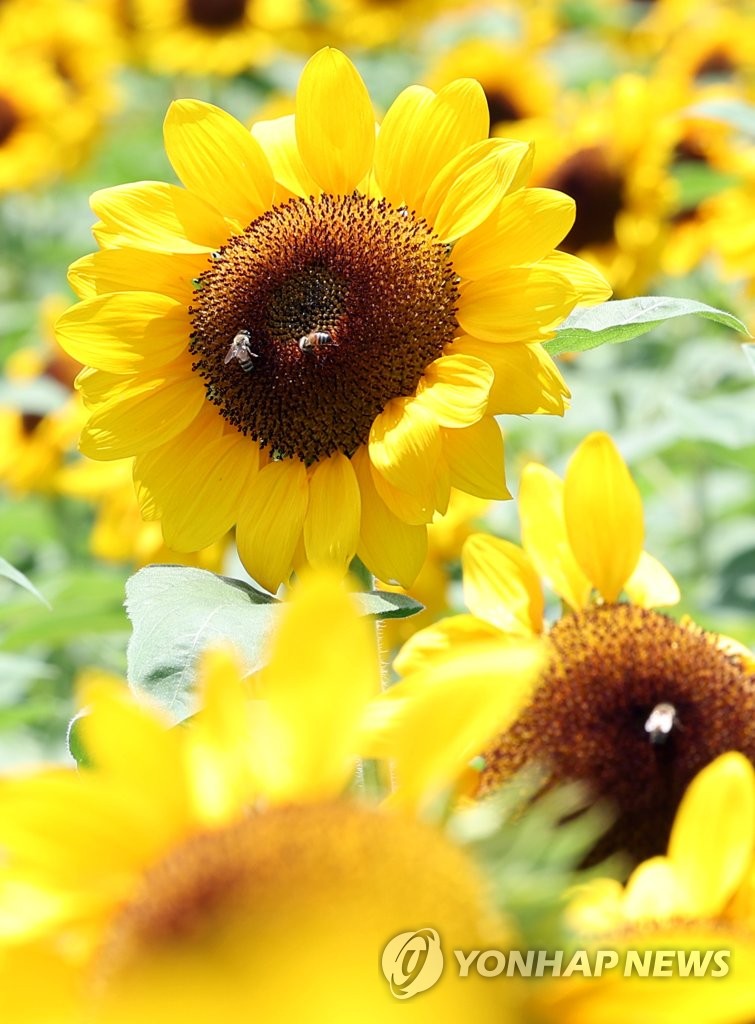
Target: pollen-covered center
{"points": [[597, 189], [635, 704], [307, 324]]}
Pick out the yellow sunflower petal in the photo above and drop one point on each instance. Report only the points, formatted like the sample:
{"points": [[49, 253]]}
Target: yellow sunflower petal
{"points": [[405, 446], [157, 473], [335, 122], [440, 126], [425, 646], [158, 217], [407, 507], [519, 304], [392, 549], [470, 188], [432, 723], [475, 458], [652, 892], [526, 378], [544, 537], [590, 285], [322, 670], [270, 521], [527, 224], [150, 414], [501, 585], [125, 331], [216, 157], [713, 836], [603, 515], [118, 270], [331, 528], [278, 139], [455, 389], [651, 584], [208, 492]]}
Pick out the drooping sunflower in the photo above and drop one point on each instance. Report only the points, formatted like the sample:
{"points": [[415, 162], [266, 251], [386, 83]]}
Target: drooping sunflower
{"points": [[218, 37], [311, 339], [185, 871], [632, 702], [696, 899]]}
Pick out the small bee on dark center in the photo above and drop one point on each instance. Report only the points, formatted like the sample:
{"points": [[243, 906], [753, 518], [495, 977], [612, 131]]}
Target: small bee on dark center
{"points": [[661, 720], [241, 349], [315, 339]]}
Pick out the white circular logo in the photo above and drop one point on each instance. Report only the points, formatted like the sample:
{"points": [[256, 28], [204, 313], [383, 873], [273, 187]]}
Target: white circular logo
{"points": [[412, 962]]}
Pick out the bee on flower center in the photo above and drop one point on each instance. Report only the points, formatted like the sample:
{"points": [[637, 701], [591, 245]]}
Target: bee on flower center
{"points": [[661, 721], [315, 339], [240, 348]]}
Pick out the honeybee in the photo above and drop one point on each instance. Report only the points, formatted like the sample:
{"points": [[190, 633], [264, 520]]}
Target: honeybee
{"points": [[661, 721], [240, 349], [313, 340]]}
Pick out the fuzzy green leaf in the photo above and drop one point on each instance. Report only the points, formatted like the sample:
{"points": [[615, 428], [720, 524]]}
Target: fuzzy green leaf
{"points": [[11, 573], [624, 319]]}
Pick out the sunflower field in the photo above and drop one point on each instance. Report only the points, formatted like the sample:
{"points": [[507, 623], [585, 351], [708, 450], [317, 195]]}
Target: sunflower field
{"points": [[377, 511]]}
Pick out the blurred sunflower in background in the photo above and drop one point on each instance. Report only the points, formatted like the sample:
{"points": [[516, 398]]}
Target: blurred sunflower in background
{"points": [[168, 877], [331, 324], [632, 702], [216, 37]]}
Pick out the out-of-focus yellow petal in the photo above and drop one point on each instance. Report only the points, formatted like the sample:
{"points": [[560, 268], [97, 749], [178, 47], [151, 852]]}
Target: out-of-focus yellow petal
{"points": [[541, 511], [335, 122], [331, 528], [270, 521], [651, 584], [501, 585], [439, 640], [323, 668], [652, 892], [432, 723], [216, 158], [440, 126], [713, 836], [603, 514]]}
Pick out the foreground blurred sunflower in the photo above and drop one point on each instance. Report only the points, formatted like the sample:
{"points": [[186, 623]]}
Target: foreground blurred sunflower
{"points": [[632, 702], [696, 899], [194, 873], [312, 338]]}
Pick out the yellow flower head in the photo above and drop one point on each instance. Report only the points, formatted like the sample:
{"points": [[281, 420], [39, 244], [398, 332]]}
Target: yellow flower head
{"points": [[312, 337], [631, 702], [191, 870]]}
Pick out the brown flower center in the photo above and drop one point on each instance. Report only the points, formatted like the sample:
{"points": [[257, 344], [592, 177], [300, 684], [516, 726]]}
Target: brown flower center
{"points": [[215, 13], [307, 324], [9, 119], [597, 190], [635, 704], [501, 107]]}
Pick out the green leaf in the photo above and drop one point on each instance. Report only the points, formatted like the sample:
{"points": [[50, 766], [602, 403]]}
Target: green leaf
{"points": [[38, 397], [624, 319], [176, 613], [7, 570], [749, 351], [736, 113], [384, 604]]}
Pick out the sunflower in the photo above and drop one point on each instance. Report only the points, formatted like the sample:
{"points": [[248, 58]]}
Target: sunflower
{"points": [[697, 899], [189, 871], [625, 685], [610, 149], [79, 46], [311, 339], [218, 37], [520, 91]]}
